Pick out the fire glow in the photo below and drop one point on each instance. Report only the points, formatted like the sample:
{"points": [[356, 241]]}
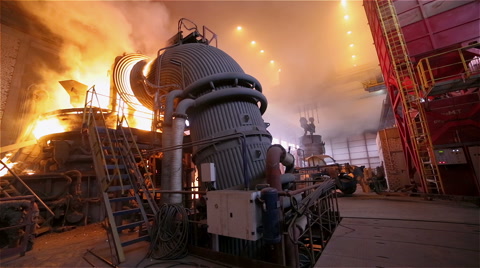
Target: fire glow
{"points": [[47, 126], [9, 164]]}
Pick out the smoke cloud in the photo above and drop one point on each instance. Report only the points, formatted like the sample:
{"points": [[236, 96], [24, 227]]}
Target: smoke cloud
{"points": [[310, 45], [312, 73], [92, 34]]}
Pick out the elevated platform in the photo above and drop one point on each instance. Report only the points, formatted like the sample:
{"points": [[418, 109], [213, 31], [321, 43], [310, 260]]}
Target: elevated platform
{"points": [[442, 87]]}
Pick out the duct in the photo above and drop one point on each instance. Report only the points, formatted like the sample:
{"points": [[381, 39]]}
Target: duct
{"points": [[167, 141], [230, 93], [216, 80], [275, 154], [126, 75], [289, 162], [167, 156], [287, 178], [171, 96], [178, 128]]}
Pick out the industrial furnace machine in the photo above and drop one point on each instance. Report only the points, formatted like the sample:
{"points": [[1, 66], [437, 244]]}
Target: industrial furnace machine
{"points": [[204, 178]]}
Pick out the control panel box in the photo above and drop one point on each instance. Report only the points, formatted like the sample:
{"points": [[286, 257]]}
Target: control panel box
{"points": [[234, 213], [450, 156], [207, 172]]}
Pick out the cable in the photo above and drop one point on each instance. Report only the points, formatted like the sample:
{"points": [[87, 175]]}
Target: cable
{"points": [[169, 240]]}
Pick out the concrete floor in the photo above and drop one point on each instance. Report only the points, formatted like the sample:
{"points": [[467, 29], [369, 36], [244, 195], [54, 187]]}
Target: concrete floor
{"points": [[390, 231], [375, 231]]}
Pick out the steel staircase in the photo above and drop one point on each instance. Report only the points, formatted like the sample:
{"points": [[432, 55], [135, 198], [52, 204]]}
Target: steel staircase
{"points": [[414, 116], [125, 194], [7, 189]]}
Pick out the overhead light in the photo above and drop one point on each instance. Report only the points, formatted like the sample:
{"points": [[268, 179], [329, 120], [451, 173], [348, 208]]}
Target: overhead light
{"points": [[262, 51], [239, 28], [272, 61], [343, 3], [351, 45], [279, 70], [353, 56], [349, 32], [346, 17], [253, 42]]}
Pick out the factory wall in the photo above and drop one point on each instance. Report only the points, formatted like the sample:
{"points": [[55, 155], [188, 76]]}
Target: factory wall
{"points": [[359, 150], [22, 97]]}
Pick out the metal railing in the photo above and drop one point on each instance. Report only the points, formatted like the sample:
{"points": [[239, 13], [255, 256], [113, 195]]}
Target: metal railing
{"points": [[450, 65]]}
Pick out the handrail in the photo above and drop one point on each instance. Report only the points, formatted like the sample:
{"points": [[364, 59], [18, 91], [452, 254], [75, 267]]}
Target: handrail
{"points": [[28, 188], [131, 149], [431, 73]]}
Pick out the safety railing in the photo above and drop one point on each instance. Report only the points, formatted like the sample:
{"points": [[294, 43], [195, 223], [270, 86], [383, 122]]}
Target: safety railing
{"points": [[311, 222], [447, 68]]}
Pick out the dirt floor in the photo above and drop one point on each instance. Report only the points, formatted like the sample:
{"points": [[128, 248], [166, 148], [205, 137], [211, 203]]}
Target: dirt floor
{"points": [[71, 249]]}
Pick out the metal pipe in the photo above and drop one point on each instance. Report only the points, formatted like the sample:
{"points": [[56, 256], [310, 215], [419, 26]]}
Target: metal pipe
{"points": [[26, 186], [178, 127], [167, 156], [102, 259], [209, 82], [169, 105], [180, 192], [272, 171], [289, 162], [78, 185], [167, 142], [295, 192], [231, 93]]}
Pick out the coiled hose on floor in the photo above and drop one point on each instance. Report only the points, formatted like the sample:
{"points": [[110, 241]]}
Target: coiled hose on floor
{"points": [[170, 235]]}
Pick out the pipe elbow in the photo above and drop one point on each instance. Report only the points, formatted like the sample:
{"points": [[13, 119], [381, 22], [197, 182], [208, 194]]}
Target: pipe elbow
{"points": [[169, 103], [274, 156]]}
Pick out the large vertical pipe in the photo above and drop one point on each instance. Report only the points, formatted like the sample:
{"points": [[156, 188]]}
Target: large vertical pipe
{"points": [[178, 127], [272, 171], [167, 141], [271, 220]]}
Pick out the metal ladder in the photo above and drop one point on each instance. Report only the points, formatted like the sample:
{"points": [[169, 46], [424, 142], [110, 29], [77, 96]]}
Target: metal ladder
{"points": [[412, 102], [123, 186]]}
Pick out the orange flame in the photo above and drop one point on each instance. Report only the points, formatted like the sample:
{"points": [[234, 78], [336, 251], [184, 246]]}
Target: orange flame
{"points": [[47, 126], [9, 164]]}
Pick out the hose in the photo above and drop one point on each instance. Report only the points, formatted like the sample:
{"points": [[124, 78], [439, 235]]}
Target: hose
{"points": [[170, 235]]}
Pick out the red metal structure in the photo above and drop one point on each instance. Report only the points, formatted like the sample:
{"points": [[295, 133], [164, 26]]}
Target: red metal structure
{"points": [[429, 54]]}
